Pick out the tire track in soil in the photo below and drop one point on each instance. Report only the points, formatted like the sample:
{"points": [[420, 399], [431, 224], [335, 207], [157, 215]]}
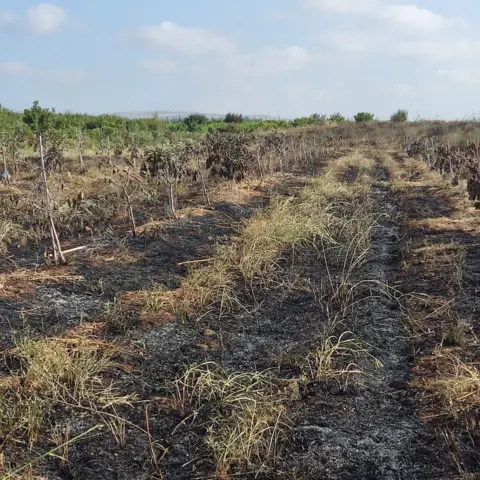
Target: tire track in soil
{"points": [[373, 432]]}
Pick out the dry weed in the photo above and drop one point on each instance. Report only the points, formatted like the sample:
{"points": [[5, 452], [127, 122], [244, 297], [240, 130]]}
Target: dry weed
{"points": [[246, 417], [55, 372]]}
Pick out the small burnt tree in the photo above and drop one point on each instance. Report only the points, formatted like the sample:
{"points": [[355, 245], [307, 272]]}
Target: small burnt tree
{"points": [[12, 140], [37, 119], [133, 147], [270, 145], [119, 143], [228, 154], [169, 162], [54, 157], [80, 145], [195, 151]]}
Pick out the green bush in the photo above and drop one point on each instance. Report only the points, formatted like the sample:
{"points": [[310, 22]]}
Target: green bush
{"points": [[194, 120], [399, 116], [337, 118], [364, 117], [314, 119]]}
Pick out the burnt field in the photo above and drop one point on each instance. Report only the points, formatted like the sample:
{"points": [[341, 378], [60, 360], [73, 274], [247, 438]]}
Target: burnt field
{"points": [[283, 305]]}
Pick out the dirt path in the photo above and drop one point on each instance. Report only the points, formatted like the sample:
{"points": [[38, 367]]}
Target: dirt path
{"points": [[441, 275], [371, 431]]}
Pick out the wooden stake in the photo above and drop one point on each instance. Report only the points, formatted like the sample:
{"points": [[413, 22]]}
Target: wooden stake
{"points": [[57, 250]]}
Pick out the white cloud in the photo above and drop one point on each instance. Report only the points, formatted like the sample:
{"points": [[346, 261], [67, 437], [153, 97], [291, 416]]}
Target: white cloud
{"points": [[460, 75], [7, 18], [353, 41], [436, 37], [13, 68], [271, 61], [343, 6], [46, 18], [440, 51], [62, 76], [158, 65], [413, 19], [188, 40]]}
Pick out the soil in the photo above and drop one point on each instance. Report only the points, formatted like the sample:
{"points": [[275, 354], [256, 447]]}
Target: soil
{"points": [[372, 428]]}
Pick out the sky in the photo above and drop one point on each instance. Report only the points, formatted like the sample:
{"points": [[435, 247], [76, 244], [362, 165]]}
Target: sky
{"points": [[283, 58]]}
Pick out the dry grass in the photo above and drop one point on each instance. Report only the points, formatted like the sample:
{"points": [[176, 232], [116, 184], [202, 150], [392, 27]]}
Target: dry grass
{"points": [[413, 169], [52, 275], [446, 260], [355, 168], [246, 419], [210, 286], [332, 215], [54, 372], [285, 224], [336, 358], [11, 232], [456, 385], [119, 318]]}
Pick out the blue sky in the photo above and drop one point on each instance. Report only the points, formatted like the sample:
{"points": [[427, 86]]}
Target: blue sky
{"points": [[278, 57]]}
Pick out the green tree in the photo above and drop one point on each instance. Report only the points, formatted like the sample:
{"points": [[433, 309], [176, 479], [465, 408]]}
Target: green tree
{"points": [[364, 117], [37, 118], [233, 118], [194, 120]]}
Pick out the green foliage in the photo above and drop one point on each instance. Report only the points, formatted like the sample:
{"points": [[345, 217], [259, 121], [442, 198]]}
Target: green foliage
{"points": [[364, 117], [37, 118], [233, 118], [400, 115], [194, 120], [314, 119], [337, 118], [112, 133]]}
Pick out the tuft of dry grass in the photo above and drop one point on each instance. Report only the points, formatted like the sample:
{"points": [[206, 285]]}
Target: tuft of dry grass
{"points": [[210, 286], [118, 318], [11, 232], [54, 372], [456, 385], [245, 414], [285, 224], [352, 169], [337, 357]]}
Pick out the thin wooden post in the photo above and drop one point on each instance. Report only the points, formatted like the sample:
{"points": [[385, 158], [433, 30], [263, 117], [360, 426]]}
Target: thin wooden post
{"points": [[57, 250]]}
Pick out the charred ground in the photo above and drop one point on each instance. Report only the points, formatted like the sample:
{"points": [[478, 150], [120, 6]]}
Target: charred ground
{"points": [[314, 321]]}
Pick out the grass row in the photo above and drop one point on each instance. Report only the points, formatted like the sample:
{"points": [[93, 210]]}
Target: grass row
{"points": [[248, 412]]}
